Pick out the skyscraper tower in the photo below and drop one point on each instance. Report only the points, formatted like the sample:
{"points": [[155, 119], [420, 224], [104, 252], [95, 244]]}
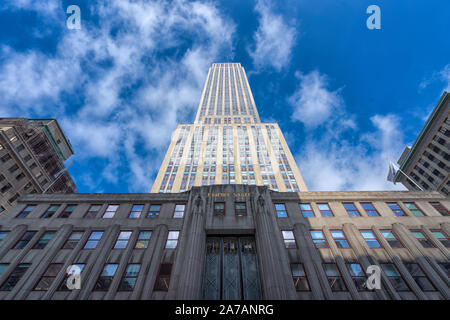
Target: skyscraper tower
{"points": [[228, 144]]}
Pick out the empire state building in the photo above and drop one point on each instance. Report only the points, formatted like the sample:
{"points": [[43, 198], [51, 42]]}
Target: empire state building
{"points": [[227, 143]]}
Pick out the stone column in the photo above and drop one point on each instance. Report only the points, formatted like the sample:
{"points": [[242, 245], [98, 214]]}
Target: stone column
{"points": [[340, 263], [13, 236], [306, 245], [274, 262], [188, 266], [161, 233], [123, 264], [97, 260], [47, 254], [67, 263], [419, 252], [362, 253]]}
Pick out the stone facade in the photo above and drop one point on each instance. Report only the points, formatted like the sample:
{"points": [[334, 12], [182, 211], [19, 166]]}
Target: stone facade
{"points": [[200, 221]]}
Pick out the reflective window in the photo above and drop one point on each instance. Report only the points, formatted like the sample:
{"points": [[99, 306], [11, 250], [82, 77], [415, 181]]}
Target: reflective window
{"points": [[154, 211], [63, 284], [394, 276], [50, 211], [48, 277], [143, 240], [339, 239], [318, 239], [371, 240], [442, 237], [396, 209], [93, 240], [334, 277], [299, 277], [93, 210], [370, 209], [440, 208], [289, 239], [129, 277], [73, 240], [45, 238], [104, 281], [325, 210], [424, 241], [419, 277], [110, 211], [351, 209], [281, 210], [122, 240], [219, 208], [172, 239], [179, 211], [26, 211], [391, 239], [15, 277], [136, 211], [358, 276], [163, 278], [24, 240], [306, 210], [414, 209]]}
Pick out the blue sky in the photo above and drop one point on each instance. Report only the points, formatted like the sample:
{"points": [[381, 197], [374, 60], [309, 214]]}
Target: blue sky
{"points": [[347, 98]]}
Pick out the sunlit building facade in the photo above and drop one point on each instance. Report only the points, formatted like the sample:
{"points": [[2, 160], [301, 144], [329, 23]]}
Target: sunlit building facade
{"points": [[228, 144]]}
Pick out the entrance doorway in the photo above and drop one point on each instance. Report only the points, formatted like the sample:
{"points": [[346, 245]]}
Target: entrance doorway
{"points": [[231, 269]]}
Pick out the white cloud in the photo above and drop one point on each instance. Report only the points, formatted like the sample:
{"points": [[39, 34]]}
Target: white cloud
{"points": [[274, 39], [129, 93], [333, 163], [313, 104]]}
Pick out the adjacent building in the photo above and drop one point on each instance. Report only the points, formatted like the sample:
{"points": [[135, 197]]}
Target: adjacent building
{"points": [[427, 161], [227, 242], [228, 144], [32, 151]]}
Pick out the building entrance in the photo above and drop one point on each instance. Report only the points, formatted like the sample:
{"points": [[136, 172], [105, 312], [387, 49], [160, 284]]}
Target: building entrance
{"points": [[231, 269]]}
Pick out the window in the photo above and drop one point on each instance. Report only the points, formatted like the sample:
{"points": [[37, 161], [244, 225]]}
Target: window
{"points": [[93, 240], [334, 277], [143, 240], [110, 211], [104, 280], [240, 208], [442, 237], [394, 277], [358, 275], [24, 240], [93, 210], [440, 208], [318, 239], [219, 208], [419, 277], [306, 210], [3, 235], [163, 279], [5, 158], [339, 239], [172, 239], [422, 238], [446, 267], [122, 240], [154, 211], [48, 277], [371, 240], [413, 208], [26, 211], [289, 239], [129, 277], [45, 238], [281, 210], [325, 210], [63, 284], [67, 211], [15, 277], [299, 277], [3, 267], [14, 168], [391, 239], [396, 209], [50, 211], [351, 209], [136, 211], [73, 240], [179, 211]]}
